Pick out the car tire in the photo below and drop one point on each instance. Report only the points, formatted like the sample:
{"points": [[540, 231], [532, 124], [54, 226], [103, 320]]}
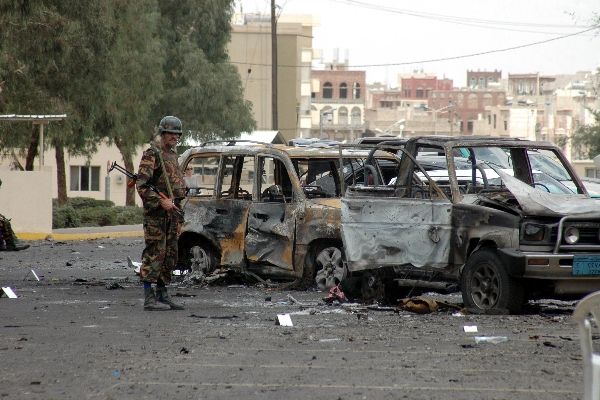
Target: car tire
{"points": [[487, 287], [329, 266], [203, 259]]}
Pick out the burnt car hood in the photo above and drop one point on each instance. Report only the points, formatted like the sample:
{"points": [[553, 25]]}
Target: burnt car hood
{"points": [[537, 202]]}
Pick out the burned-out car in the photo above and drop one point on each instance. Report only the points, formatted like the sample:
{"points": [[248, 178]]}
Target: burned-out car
{"points": [[505, 219], [271, 210]]}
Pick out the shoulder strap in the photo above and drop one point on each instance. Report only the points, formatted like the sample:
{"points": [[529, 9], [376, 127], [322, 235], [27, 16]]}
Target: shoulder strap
{"points": [[164, 169]]}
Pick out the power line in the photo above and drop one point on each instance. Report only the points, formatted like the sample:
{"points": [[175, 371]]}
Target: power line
{"points": [[451, 18], [444, 58]]}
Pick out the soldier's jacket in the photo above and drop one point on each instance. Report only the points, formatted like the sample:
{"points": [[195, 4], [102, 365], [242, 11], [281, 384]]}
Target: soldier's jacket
{"points": [[150, 171]]}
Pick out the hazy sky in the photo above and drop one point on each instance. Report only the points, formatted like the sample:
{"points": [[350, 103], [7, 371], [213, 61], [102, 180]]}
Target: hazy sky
{"points": [[405, 34]]}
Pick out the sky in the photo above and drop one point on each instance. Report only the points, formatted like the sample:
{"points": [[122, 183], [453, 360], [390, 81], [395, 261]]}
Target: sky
{"points": [[388, 37]]}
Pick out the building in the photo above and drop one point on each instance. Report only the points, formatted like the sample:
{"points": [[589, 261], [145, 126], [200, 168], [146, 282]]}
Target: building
{"points": [[484, 79], [250, 51], [462, 107], [529, 85], [338, 103], [419, 85]]}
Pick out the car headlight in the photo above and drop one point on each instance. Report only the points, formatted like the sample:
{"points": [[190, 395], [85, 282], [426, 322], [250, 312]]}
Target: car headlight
{"points": [[571, 235], [533, 232]]}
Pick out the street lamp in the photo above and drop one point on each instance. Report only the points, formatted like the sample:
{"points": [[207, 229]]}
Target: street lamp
{"points": [[321, 114]]}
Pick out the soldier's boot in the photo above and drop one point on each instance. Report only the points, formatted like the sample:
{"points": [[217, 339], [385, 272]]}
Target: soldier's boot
{"points": [[10, 239], [150, 303], [162, 296]]}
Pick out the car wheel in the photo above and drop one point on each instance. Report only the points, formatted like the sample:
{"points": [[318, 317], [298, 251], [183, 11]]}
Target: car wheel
{"points": [[486, 285], [202, 260], [329, 264]]}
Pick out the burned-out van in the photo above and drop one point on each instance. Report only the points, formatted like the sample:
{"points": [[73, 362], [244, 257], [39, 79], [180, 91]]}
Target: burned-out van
{"points": [[271, 210], [506, 219]]}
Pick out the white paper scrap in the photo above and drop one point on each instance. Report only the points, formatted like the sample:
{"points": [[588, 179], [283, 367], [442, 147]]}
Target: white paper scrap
{"points": [[9, 292], [284, 320], [470, 328], [35, 275]]}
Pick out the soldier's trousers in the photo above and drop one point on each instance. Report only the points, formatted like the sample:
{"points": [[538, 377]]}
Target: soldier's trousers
{"points": [[160, 254]]}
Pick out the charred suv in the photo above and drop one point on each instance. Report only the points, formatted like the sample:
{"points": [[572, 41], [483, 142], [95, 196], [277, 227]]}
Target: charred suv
{"points": [[508, 220], [270, 210]]}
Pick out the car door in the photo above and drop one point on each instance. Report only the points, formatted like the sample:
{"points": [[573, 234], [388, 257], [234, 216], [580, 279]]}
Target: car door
{"points": [[271, 231], [221, 217], [407, 224]]}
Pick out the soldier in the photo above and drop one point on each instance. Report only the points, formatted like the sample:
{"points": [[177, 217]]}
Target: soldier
{"points": [[8, 239], [162, 216]]}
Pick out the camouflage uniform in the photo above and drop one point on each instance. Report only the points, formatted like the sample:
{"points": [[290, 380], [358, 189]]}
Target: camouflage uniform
{"points": [[160, 226]]}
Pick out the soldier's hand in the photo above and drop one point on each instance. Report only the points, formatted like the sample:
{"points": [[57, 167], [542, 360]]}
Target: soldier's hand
{"points": [[167, 204]]}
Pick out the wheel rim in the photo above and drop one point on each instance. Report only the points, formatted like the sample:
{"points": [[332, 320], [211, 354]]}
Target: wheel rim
{"points": [[330, 268], [199, 260], [485, 287]]}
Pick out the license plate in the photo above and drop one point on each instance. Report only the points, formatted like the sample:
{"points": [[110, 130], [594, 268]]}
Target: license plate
{"points": [[586, 265]]}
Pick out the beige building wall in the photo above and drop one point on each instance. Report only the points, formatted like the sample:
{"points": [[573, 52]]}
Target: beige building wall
{"points": [[99, 162], [27, 199], [250, 51]]}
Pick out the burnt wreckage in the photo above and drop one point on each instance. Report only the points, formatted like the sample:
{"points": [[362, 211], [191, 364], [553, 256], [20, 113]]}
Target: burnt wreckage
{"points": [[271, 210], [507, 219]]}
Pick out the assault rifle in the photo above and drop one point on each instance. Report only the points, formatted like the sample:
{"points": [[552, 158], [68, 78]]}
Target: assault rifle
{"points": [[133, 178]]}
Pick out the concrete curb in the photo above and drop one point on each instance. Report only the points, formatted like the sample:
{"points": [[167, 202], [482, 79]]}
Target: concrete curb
{"points": [[85, 233]]}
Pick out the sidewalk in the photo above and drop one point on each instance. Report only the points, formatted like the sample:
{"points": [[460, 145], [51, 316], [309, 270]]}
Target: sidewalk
{"points": [[84, 233]]}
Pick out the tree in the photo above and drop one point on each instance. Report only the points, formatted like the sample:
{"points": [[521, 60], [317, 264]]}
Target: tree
{"points": [[53, 55], [201, 86], [588, 136], [135, 79]]}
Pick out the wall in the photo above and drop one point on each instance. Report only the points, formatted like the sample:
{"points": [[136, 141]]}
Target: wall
{"points": [[27, 200]]}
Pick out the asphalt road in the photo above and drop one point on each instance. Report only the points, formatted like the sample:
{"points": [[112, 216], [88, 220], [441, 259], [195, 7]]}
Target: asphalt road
{"points": [[80, 333]]}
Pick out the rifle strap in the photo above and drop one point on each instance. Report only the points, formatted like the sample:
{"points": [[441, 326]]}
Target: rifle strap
{"points": [[158, 153]]}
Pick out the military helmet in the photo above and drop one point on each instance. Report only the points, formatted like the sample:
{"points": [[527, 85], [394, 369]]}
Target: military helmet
{"points": [[170, 124]]}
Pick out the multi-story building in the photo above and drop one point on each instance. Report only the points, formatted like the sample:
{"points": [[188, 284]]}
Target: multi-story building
{"points": [[419, 85], [338, 103], [250, 51], [529, 85], [483, 79], [462, 107]]}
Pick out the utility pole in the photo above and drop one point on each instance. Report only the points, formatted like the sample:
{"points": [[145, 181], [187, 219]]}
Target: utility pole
{"points": [[274, 67]]}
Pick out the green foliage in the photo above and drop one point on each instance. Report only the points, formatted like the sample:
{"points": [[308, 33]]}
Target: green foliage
{"points": [[85, 211], [129, 215], [79, 203], [98, 216], [588, 136], [65, 217]]}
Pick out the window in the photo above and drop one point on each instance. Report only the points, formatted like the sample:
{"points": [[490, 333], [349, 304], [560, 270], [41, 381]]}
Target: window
{"points": [[505, 125], [489, 120], [473, 82], [470, 126], [420, 93], [238, 177], [275, 184], [356, 90], [356, 116], [84, 178], [327, 90], [472, 101], [201, 175], [343, 90], [481, 82], [343, 116], [406, 92]]}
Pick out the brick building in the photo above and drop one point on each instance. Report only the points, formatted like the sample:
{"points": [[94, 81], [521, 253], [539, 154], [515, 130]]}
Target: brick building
{"points": [[420, 86], [461, 107], [338, 103]]}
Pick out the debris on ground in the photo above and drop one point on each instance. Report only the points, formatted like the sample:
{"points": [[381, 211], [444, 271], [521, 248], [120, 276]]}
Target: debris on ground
{"points": [[425, 305], [335, 293]]}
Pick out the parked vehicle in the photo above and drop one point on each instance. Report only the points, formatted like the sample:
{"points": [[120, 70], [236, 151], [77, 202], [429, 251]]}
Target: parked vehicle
{"points": [[504, 232], [272, 210]]}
